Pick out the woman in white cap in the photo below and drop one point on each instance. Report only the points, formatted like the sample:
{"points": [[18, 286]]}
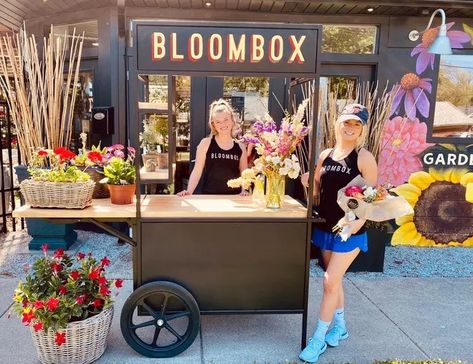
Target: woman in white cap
{"points": [[336, 167]]}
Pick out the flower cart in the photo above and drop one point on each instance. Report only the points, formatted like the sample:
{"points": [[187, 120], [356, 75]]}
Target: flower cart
{"points": [[207, 254]]}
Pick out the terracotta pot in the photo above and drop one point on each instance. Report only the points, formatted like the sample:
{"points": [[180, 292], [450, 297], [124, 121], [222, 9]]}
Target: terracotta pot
{"points": [[150, 161], [122, 194], [163, 160]]}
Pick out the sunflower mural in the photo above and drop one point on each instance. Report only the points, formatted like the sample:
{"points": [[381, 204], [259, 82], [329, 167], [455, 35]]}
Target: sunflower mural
{"points": [[443, 209]]}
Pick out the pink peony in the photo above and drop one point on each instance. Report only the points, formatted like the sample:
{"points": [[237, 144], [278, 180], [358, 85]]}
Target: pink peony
{"points": [[402, 140]]}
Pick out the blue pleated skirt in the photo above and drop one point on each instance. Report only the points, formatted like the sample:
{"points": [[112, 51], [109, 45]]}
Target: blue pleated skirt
{"points": [[330, 241]]}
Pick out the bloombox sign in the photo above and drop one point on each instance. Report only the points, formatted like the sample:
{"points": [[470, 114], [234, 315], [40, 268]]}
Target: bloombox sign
{"points": [[226, 49]]}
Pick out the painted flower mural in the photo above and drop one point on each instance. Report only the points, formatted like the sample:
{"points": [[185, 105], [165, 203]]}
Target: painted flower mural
{"points": [[413, 90], [442, 216], [401, 141], [425, 58]]}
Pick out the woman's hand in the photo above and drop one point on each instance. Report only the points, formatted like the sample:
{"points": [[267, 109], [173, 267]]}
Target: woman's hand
{"points": [[305, 179], [183, 193], [244, 193], [354, 226]]}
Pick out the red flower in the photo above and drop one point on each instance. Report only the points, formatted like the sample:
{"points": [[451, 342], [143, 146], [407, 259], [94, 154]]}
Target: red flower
{"points": [[42, 153], [38, 304], [60, 338], [80, 299], [80, 255], [352, 190], [75, 275], [59, 151], [95, 157], [56, 267], [67, 155], [97, 303], [52, 304], [102, 280], [94, 274], [62, 290], [27, 317], [59, 253], [105, 262], [104, 291], [44, 248], [38, 326], [119, 283]]}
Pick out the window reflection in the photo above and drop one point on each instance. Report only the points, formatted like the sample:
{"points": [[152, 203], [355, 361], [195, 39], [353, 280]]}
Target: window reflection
{"points": [[453, 115], [354, 39]]}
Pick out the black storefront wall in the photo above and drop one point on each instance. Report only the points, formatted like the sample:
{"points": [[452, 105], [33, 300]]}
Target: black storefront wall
{"points": [[390, 61]]}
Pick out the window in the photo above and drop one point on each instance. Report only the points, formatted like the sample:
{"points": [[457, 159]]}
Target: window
{"points": [[89, 28], [453, 115], [354, 39]]}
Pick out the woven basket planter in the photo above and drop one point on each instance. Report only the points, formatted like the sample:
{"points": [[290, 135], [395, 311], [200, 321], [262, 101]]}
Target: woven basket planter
{"points": [[58, 194], [85, 341], [96, 174]]}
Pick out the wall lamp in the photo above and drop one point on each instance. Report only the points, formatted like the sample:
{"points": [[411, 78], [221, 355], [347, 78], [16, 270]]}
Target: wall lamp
{"points": [[441, 45]]}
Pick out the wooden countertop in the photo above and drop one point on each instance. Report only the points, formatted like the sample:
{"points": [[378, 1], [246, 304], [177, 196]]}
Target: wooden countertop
{"points": [[171, 206]]}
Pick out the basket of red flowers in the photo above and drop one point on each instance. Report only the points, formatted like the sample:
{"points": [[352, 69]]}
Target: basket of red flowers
{"points": [[67, 303]]}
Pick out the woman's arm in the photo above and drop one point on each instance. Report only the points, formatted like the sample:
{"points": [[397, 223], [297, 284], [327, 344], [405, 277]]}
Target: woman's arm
{"points": [[368, 167], [318, 168], [198, 167], [243, 165]]}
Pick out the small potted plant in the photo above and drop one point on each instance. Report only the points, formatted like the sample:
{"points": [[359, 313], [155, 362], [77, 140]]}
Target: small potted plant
{"points": [[152, 141], [120, 174], [67, 303], [54, 182], [91, 162]]}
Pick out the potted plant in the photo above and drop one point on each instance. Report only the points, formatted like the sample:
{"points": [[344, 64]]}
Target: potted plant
{"points": [[153, 141], [120, 174], [55, 183], [91, 162], [68, 306]]}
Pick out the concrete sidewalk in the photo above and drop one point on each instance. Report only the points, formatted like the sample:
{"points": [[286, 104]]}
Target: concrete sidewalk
{"points": [[388, 318]]}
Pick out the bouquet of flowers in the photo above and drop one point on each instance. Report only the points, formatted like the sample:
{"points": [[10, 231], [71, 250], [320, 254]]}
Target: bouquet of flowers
{"points": [[358, 199], [61, 289], [275, 147]]}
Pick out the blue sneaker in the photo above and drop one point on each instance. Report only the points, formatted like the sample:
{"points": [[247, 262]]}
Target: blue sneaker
{"points": [[335, 334], [313, 350]]}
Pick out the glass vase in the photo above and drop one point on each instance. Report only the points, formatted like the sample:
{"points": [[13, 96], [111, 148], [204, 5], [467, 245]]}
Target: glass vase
{"points": [[275, 189], [258, 197]]}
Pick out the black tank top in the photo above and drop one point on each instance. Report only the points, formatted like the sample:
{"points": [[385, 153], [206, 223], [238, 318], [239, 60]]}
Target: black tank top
{"points": [[335, 175], [220, 166]]}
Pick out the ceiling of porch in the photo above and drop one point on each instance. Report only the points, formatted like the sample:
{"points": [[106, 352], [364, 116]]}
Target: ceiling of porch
{"points": [[13, 12]]}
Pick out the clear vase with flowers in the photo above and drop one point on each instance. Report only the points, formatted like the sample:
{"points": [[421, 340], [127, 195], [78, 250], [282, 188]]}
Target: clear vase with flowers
{"points": [[276, 149]]}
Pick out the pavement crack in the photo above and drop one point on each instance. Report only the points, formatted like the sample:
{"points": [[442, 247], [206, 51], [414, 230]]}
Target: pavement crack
{"points": [[389, 318], [4, 312], [201, 345]]}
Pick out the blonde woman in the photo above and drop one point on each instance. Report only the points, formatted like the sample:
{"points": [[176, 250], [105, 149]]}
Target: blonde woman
{"points": [[219, 157], [336, 167]]}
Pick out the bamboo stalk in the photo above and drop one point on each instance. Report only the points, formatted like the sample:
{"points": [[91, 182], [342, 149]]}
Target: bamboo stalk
{"points": [[37, 91]]}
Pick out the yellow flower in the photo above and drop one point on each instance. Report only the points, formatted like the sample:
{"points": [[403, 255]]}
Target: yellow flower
{"points": [[442, 216]]}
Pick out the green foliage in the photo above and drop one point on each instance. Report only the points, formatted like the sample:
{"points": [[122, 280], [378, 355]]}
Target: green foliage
{"points": [[119, 171], [245, 84], [348, 39], [60, 289], [68, 174]]}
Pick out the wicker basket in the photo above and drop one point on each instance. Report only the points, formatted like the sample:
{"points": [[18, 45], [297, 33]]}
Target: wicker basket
{"points": [[57, 194], [85, 341], [96, 174]]}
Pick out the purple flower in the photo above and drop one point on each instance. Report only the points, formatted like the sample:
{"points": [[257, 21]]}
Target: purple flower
{"points": [[119, 154], [413, 88], [425, 58]]}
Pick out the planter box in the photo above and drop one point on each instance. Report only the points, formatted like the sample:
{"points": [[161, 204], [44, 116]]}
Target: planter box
{"points": [[373, 259]]}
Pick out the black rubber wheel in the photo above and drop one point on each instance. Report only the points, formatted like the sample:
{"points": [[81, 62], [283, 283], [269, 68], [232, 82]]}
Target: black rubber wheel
{"points": [[160, 319]]}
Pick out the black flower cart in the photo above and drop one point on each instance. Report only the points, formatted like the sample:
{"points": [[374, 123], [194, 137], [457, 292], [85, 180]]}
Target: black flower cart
{"points": [[206, 254]]}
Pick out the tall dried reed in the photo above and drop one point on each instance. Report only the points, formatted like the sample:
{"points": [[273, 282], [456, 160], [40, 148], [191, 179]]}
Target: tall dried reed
{"points": [[39, 88]]}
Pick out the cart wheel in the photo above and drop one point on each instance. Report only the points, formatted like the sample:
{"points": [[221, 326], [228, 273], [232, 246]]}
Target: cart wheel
{"points": [[175, 319]]}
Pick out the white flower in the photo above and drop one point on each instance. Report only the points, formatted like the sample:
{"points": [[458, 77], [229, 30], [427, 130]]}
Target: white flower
{"points": [[294, 172], [248, 173], [259, 148], [369, 192], [276, 160]]}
